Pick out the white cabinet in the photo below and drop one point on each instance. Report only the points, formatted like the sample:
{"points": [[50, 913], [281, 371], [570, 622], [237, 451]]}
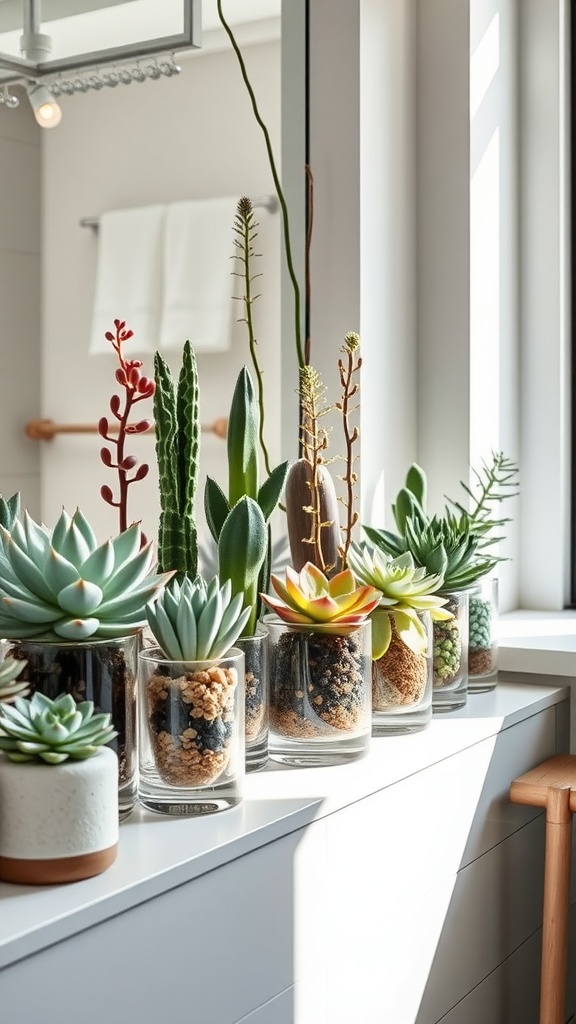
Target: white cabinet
{"points": [[403, 889]]}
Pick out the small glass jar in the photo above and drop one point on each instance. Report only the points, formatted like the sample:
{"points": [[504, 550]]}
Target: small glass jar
{"points": [[256, 698], [450, 654], [103, 671], [483, 636], [191, 733], [320, 692], [402, 685]]}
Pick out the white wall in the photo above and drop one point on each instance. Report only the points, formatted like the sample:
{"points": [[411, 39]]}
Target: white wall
{"points": [[19, 301], [190, 137]]}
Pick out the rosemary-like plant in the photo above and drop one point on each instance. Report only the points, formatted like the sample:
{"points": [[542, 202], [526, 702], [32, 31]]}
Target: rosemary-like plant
{"points": [[495, 482], [244, 228]]}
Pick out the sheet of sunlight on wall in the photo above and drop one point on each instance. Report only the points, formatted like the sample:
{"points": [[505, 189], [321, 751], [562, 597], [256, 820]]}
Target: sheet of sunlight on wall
{"points": [[485, 235]]}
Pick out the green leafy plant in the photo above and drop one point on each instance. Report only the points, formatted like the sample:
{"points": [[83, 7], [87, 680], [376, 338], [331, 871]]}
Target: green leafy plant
{"points": [[10, 687], [406, 590], [52, 731], [444, 545], [495, 482], [177, 454], [61, 583], [239, 522], [197, 621], [310, 598]]}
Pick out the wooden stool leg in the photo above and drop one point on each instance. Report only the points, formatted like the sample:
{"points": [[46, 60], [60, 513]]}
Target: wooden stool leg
{"points": [[555, 912]]}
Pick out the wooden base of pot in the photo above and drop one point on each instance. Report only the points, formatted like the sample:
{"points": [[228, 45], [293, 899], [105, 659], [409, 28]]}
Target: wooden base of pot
{"points": [[60, 869]]}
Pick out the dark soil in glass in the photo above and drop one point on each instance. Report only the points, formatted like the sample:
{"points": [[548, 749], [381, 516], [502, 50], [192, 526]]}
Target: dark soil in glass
{"points": [[317, 683]]}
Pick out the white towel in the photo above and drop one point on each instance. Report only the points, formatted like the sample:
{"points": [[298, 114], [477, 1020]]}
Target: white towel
{"points": [[129, 277], [198, 286]]}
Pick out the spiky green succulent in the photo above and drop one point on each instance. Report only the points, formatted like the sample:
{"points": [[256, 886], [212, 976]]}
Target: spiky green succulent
{"points": [[444, 545], [61, 582], [52, 731], [10, 687], [197, 621], [406, 591]]}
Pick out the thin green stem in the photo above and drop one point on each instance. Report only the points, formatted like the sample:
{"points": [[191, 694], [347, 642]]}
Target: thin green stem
{"points": [[277, 185]]}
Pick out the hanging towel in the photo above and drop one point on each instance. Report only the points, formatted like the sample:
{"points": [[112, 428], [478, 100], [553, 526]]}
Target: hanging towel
{"points": [[198, 286], [129, 277]]}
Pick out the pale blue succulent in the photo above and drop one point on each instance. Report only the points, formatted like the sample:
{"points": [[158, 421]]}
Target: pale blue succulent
{"points": [[62, 583], [197, 621], [52, 731]]}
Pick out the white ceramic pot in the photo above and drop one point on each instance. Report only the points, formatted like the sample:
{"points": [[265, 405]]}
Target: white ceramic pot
{"points": [[58, 823]]}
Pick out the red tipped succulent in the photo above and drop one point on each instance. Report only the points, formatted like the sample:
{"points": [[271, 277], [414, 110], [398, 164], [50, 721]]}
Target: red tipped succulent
{"points": [[136, 388]]}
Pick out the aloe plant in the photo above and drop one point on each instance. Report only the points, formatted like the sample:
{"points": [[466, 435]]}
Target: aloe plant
{"points": [[406, 591], [177, 455], [60, 582], [197, 621], [310, 598], [10, 686], [239, 522], [52, 731]]}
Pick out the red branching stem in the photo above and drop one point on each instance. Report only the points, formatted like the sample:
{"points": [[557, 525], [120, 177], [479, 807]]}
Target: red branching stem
{"points": [[136, 388]]}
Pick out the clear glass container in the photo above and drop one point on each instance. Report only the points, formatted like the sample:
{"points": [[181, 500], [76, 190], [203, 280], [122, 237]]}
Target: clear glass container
{"points": [[320, 692], [191, 733], [256, 698], [402, 686], [450, 654], [103, 671], [483, 636]]}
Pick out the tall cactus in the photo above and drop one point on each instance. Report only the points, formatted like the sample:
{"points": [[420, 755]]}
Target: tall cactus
{"points": [[177, 454]]}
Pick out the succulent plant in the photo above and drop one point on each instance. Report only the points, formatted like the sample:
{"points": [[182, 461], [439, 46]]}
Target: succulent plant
{"points": [[406, 590], [10, 669], [52, 731], [197, 621], [61, 582], [9, 510], [444, 545], [238, 523], [447, 651], [177, 452], [310, 598]]}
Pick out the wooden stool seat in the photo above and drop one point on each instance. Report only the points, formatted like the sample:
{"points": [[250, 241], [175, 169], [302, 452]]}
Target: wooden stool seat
{"points": [[552, 785]]}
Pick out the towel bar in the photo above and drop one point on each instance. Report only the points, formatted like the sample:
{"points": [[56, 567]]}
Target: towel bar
{"points": [[269, 203], [45, 430]]}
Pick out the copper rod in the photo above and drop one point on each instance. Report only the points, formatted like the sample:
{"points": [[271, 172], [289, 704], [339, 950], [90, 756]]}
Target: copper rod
{"points": [[45, 430]]}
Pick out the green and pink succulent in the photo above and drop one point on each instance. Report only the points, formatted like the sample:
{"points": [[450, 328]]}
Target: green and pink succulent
{"points": [[309, 598]]}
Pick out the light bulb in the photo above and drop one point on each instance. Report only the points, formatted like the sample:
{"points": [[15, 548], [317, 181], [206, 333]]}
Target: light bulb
{"points": [[46, 110]]}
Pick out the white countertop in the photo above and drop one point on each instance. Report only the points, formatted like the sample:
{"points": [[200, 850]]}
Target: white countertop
{"points": [[540, 642], [158, 853]]}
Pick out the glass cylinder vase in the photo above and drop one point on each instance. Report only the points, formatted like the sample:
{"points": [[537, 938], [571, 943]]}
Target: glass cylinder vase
{"points": [[320, 692], [402, 685], [483, 636], [103, 671], [191, 733], [450, 654], [255, 698]]}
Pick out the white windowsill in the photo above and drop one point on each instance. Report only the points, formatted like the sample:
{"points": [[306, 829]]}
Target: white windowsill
{"points": [[538, 642]]}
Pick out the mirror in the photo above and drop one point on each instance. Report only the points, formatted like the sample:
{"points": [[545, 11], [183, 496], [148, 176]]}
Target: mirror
{"points": [[159, 142]]}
